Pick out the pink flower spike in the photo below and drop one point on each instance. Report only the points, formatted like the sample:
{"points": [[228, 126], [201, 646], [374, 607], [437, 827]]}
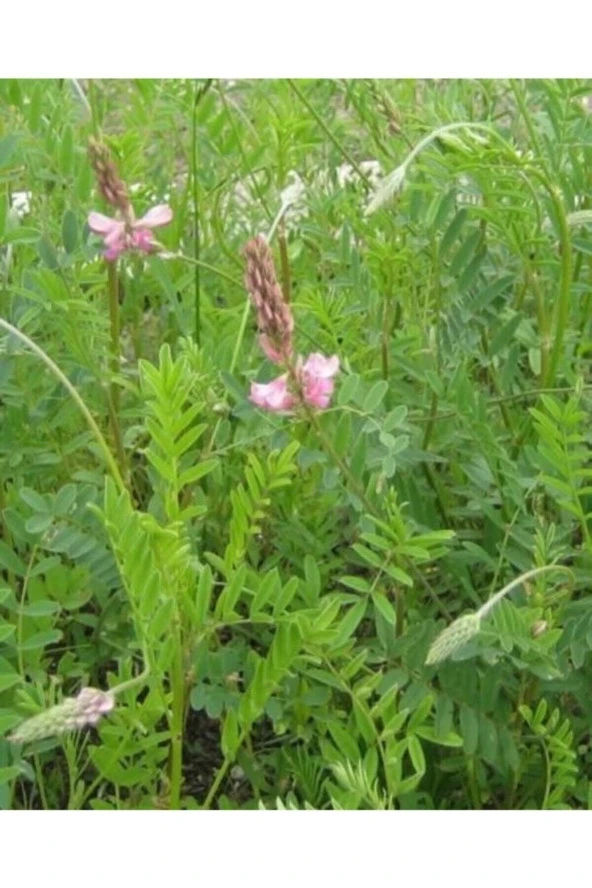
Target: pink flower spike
{"points": [[155, 218], [273, 396]]}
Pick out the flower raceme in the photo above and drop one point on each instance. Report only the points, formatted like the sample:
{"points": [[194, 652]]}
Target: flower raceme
{"points": [[72, 714], [305, 382], [274, 316], [121, 232], [120, 235], [309, 382]]}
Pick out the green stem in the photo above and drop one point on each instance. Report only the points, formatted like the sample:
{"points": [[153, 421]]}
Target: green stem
{"points": [[399, 611], [384, 340], [284, 262], [519, 96], [329, 134], [208, 267], [114, 394], [341, 465], [53, 367], [523, 578], [19, 624], [196, 228], [221, 773], [5, 529], [21, 669], [427, 468], [561, 307], [136, 680], [543, 321], [177, 724], [199, 94]]}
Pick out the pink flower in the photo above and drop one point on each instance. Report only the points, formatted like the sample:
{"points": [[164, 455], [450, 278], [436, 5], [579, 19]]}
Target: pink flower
{"points": [[317, 379], [315, 383], [273, 395], [121, 235]]}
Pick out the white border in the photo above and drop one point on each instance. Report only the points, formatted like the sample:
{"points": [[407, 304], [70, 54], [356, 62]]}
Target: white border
{"points": [[300, 849], [294, 38]]}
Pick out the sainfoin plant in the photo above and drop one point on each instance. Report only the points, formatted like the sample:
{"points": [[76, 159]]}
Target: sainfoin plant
{"points": [[302, 519]]}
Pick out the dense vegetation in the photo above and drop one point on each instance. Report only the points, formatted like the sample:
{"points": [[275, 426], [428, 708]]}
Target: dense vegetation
{"points": [[215, 600]]}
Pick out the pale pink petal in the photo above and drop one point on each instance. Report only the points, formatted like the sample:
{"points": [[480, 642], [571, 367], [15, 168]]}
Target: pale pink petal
{"points": [[106, 703], [320, 366], [143, 239], [103, 224], [154, 218], [116, 237], [317, 392], [272, 395], [114, 252]]}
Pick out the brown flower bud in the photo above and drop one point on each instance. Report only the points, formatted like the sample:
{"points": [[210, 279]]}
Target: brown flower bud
{"points": [[538, 628], [108, 179], [274, 316]]}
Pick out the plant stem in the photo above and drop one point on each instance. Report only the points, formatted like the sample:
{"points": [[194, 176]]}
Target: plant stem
{"points": [[284, 261], [200, 92], [196, 231], [399, 611], [114, 323], [426, 467], [221, 773], [532, 279], [177, 724], [341, 465], [329, 134], [519, 96], [114, 396], [561, 307], [21, 668], [53, 367], [535, 572], [5, 532], [212, 268]]}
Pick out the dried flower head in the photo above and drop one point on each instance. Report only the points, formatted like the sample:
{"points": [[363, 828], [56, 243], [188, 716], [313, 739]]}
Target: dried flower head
{"points": [[72, 714], [274, 317]]}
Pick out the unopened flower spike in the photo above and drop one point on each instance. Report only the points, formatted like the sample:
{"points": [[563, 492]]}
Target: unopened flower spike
{"points": [[274, 316], [455, 636], [122, 232], [72, 714]]}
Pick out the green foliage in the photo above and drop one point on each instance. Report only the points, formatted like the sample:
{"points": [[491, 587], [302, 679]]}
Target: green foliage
{"points": [[556, 741], [300, 611]]}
